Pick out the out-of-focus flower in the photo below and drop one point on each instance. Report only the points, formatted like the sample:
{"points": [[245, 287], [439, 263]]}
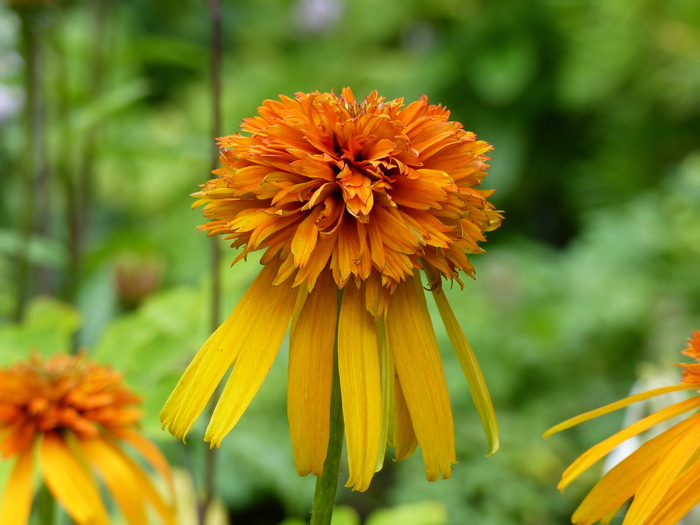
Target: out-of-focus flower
{"points": [[662, 477], [73, 417], [352, 197]]}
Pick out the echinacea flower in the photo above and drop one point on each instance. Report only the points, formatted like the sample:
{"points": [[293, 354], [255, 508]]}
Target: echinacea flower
{"points": [[351, 198], [72, 417], [662, 477]]}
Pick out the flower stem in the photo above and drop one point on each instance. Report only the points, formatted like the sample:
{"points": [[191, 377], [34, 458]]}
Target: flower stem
{"points": [[46, 508], [327, 483], [216, 58]]}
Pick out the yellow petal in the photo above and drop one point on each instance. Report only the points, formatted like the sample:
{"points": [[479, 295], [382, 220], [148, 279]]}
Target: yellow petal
{"points": [[260, 329], [622, 481], [656, 485], [216, 356], [16, 502], [417, 359], [680, 499], [360, 384], [616, 406], [592, 455], [141, 479], [404, 437], [471, 369], [387, 375], [69, 482], [152, 454], [310, 374], [117, 477]]}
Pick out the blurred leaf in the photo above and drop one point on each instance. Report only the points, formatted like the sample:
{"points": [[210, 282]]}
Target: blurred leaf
{"points": [[48, 329], [420, 513]]}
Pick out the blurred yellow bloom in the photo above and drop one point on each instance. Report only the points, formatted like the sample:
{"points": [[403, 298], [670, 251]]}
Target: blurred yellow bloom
{"points": [[75, 415], [662, 476], [355, 197]]}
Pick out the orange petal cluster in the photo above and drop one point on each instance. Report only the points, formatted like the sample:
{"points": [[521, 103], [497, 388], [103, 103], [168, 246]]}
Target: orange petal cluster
{"points": [[371, 190], [75, 413], [662, 477]]}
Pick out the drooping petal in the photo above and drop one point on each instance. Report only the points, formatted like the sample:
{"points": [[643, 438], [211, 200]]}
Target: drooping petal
{"points": [[360, 383], [656, 485], [117, 467], [622, 481], [471, 369], [151, 453], [681, 497], [16, 502], [310, 374], [117, 478], [596, 452], [622, 403], [70, 483], [248, 321], [265, 325], [404, 437], [417, 359]]}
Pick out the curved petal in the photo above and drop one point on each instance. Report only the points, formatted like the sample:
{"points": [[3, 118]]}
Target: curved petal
{"points": [[622, 481], [205, 372], [118, 479], [595, 453], [310, 374], [404, 437], [655, 486], [680, 499], [260, 329], [16, 503], [417, 359], [69, 482], [360, 384], [471, 369], [111, 455], [622, 403], [151, 453]]}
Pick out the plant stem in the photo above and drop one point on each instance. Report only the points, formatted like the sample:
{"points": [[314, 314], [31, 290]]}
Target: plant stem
{"points": [[216, 55], [327, 483]]}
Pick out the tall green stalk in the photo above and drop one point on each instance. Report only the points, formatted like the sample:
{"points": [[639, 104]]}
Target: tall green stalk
{"points": [[216, 56], [327, 483]]}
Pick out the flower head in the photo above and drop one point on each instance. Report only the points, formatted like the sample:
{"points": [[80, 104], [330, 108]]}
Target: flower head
{"points": [[356, 197], [76, 414], [662, 476]]}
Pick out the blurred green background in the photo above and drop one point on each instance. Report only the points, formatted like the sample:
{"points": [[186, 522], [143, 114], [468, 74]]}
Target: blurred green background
{"points": [[589, 286]]}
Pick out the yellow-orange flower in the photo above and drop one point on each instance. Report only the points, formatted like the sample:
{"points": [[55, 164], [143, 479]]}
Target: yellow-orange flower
{"points": [[355, 197], [662, 476], [75, 415]]}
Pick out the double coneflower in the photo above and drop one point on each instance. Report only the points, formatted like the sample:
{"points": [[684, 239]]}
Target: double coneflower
{"points": [[662, 477], [350, 201], [72, 417]]}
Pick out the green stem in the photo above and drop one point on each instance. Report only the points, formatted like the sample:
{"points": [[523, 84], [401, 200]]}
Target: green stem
{"points": [[327, 483], [216, 57], [46, 508]]}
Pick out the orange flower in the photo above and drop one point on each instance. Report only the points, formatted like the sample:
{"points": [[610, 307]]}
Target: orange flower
{"points": [[75, 414], [355, 197], [662, 476]]}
